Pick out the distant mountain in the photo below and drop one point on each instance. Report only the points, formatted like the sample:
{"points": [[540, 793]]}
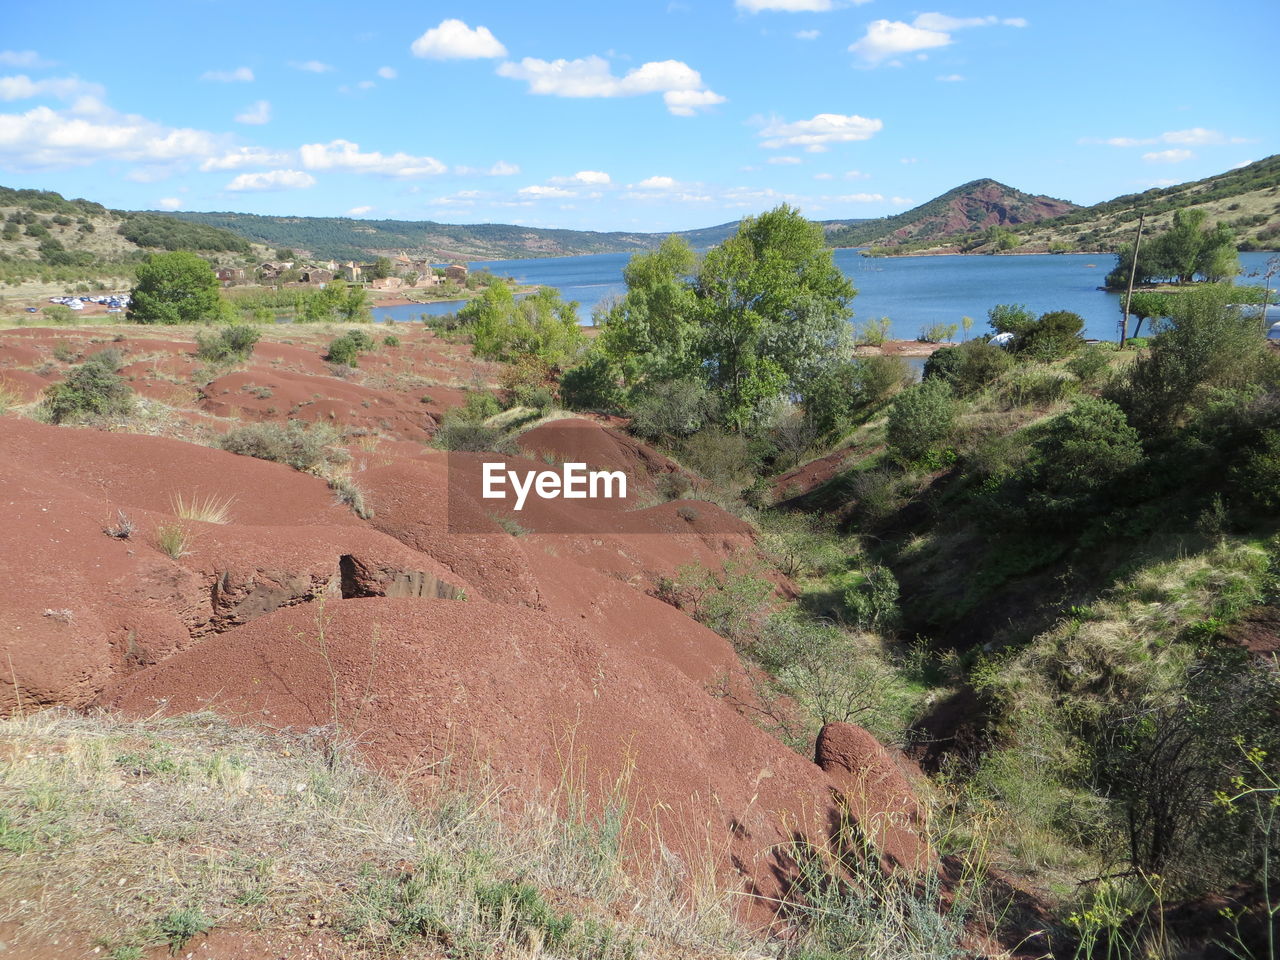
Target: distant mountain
{"points": [[343, 238], [970, 207], [346, 239]]}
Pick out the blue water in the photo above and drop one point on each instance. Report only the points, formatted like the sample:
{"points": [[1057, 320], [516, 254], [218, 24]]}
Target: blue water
{"points": [[913, 292]]}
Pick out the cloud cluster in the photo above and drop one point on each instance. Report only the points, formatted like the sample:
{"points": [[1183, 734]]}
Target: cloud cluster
{"points": [[272, 180], [22, 87], [454, 40], [681, 86], [886, 40], [817, 134], [347, 156], [256, 114]]}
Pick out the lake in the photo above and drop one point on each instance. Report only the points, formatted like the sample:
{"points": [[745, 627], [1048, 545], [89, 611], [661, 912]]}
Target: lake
{"points": [[913, 292]]}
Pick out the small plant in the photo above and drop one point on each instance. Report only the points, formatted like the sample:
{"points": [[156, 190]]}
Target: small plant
{"points": [[347, 348], [938, 333], [179, 926], [391, 340], [94, 388], [173, 540], [211, 509], [347, 492], [307, 448], [123, 527], [233, 343]]}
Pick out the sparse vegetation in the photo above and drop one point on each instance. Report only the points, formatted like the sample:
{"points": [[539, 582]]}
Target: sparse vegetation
{"points": [[92, 389]]}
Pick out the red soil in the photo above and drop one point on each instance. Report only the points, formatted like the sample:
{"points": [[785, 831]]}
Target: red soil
{"points": [[522, 641]]}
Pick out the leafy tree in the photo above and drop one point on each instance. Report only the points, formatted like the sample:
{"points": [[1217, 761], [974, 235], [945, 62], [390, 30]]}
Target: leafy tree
{"points": [[540, 324], [176, 287], [921, 421], [652, 333], [772, 307], [381, 269], [969, 367], [1083, 452], [593, 384], [1051, 336], [1147, 305]]}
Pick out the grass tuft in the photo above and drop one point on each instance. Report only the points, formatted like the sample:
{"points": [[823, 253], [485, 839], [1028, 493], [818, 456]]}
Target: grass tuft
{"points": [[211, 509]]}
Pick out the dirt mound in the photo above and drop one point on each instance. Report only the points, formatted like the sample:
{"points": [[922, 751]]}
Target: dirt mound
{"points": [[602, 448], [875, 792], [538, 700], [94, 604]]}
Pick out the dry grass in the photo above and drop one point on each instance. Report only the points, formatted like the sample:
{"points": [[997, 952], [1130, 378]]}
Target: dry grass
{"points": [[173, 540], [111, 828], [210, 509]]}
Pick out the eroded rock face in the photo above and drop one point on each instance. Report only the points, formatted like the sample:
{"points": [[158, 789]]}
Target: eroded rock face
{"points": [[875, 793], [84, 606]]}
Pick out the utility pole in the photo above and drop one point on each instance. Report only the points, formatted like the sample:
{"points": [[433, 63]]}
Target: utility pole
{"points": [[1133, 272]]}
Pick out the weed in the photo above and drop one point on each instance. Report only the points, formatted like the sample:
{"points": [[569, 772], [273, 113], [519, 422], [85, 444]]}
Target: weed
{"points": [[179, 926], [212, 509], [123, 527], [308, 448], [173, 539]]}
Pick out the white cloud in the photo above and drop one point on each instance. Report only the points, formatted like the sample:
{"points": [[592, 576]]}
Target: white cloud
{"points": [[499, 169], [807, 34], [542, 193], [815, 134], [44, 137], [256, 114], [1168, 156], [366, 85], [658, 183], [785, 161], [859, 198], [909, 160], [22, 87], [824, 176], [345, 155], [591, 177], [891, 38], [272, 180], [387, 73], [246, 157], [785, 6], [454, 40], [358, 211], [682, 86], [169, 203], [238, 75], [310, 66], [1196, 136], [23, 58], [951, 78]]}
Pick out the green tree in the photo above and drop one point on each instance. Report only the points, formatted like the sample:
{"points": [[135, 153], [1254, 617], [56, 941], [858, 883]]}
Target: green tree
{"points": [[540, 325], [381, 269], [773, 308], [1148, 305], [176, 287], [1082, 454]]}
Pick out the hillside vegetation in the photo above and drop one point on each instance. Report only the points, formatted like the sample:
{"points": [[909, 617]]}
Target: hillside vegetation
{"points": [[49, 243], [979, 205], [1246, 200]]}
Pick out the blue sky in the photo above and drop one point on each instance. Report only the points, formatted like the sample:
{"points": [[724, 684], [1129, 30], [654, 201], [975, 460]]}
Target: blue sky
{"points": [[639, 115]]}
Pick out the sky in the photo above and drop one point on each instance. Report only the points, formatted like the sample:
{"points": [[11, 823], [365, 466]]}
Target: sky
{"points": [[635, 115]]}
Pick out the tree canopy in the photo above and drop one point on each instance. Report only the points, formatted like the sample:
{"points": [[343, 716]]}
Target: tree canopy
{"points": [[176, 287]]}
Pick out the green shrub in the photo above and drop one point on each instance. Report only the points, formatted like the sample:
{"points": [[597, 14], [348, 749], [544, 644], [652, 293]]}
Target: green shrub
{"points": [[1089, 364], [970, 367], [721, 457], [232, 343], [1054, 335], [94, 388], [671, 410], [592, 385], [871, 598], [391, 340], [310, 448], [1031, 387], [921, 422], [527, 382], [347, 348]]}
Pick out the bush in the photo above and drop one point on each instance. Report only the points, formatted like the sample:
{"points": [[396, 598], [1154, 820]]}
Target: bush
{"points": [[671, 410], [528, 382], [92, 389], [720, 457], [234, 343], [1053, 336], [921, 422], [309, 448], [968, 368], [1037, 388], [1082, 454], [871, 598], [592, 385], [347, 348], [1089, 363]]}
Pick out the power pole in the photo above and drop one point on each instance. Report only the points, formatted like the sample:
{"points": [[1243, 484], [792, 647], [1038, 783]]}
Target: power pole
{"points": [[1133, 272]]}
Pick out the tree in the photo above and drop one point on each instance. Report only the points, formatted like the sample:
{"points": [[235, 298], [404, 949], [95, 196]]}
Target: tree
{"points": [[1082, 454], [1148, 305], [1187, 248], [381, 269], [176, 287], [1051, 336], [773, 308], [541, 325]]}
